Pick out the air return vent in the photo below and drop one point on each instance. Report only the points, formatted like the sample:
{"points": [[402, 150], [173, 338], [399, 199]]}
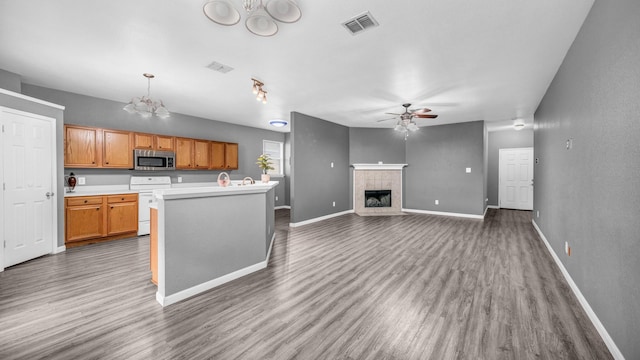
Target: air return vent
{"points": [[359, 23], [219, 67]]}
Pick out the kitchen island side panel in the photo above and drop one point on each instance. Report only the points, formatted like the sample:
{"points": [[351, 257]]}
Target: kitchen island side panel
{"points": [[209, 237]]}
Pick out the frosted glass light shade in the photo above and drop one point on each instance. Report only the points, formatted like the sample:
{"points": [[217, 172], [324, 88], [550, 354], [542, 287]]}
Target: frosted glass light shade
{"points": [[260, 23], [286, 11], [221, 12]]}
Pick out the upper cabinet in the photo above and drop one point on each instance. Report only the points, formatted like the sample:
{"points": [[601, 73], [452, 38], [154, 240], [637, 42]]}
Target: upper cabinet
{"points": [[87, 147], [164, 143], [184, 153], [82, 147], [118, 149], [201, 154], [224, 156], [143, 141]]}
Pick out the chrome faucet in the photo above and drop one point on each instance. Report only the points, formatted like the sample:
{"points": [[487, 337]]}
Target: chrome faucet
{"points": [[251, 181]]}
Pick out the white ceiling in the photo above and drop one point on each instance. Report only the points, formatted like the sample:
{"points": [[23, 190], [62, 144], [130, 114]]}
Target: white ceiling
{"points": [[466, 60]]}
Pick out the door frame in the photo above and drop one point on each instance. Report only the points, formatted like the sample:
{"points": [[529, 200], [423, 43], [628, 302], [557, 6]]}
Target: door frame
{"points": [[500, 171], [54, 178]]}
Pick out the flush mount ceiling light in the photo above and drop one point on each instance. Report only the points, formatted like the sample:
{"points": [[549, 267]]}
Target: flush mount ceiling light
{"points": [[518, 124], [145, 106], [278, 123], [261, 95], [260, 18]]}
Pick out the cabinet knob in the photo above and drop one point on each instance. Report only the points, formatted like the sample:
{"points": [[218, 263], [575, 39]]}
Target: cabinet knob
{"points": [[86, 201], [112, 207], [97, 208], [93, 162], [122, 199], [107, 163]]}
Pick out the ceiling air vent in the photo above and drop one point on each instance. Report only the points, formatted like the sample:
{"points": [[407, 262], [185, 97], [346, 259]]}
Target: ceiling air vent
{"points": [[359, 23], [219, 67]]}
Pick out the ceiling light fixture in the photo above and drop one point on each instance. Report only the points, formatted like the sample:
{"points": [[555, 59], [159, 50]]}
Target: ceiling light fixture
{"points": [[260, 18], [406, 125], [518, 124], [261, 95], [278, 123], [145, 106]]}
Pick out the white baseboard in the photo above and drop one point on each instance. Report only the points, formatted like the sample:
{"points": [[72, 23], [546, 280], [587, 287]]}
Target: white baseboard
{"points": [[493, 207], [59, 249], [585, 305], [310, 221], [429, 212], [282, 207], [200, 288]]}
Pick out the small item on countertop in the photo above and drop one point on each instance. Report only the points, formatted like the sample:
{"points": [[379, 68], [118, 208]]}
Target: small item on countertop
{"points": [[72, 182], [223, 179]]}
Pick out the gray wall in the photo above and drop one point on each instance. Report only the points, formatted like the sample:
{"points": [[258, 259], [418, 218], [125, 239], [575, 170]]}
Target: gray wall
{"points": [[437, 158], [287, 168], [27, 106], [368, 146], [505, 139], [316, 143], [589, 195], [10, 81]]}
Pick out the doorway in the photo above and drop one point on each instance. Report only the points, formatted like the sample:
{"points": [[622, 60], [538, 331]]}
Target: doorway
{"points": [[27, 169], [515, 189]]}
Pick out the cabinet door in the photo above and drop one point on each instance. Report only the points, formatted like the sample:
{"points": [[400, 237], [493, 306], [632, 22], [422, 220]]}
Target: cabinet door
{"points": [[118, 152], [202, 153], [122, 218], [142, 141], [217, 156], [84, 222], [184, 153], [164, 143], [231, 156], [81, 147]]}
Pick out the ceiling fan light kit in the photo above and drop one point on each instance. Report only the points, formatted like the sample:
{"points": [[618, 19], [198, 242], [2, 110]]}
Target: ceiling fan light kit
{"points": [[261, 19], [405, 123], [145, 106]]}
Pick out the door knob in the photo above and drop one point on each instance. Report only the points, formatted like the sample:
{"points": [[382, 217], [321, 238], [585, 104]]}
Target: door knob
{"points": [[49, 195]]}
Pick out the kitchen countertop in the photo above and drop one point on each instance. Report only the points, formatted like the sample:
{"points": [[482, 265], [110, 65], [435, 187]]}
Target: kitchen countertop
{"points": [[198, 191], [99, 190]]}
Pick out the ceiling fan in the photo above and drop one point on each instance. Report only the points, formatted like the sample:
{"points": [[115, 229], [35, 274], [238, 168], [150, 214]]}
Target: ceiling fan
{"points": [[406, 123]]}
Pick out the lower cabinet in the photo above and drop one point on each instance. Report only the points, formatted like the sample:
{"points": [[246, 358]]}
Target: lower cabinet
{"points": [[90, 219]]}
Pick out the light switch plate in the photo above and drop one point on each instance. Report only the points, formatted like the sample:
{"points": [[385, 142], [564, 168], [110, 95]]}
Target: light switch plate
{"points": [[81, 180], [468, 170]]}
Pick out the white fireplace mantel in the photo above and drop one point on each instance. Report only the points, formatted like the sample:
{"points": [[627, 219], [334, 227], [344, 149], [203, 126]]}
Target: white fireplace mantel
{"points": [[378, 166]]}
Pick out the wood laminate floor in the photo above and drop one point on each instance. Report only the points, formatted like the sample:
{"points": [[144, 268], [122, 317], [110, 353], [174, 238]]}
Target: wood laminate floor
{"points": [[397, 287]]}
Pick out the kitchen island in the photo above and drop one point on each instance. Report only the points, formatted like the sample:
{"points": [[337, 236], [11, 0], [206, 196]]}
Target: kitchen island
{"points": [[207, 236]]}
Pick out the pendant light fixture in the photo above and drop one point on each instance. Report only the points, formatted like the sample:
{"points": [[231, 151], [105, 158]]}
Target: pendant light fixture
{"points": [[145, 106], [261, 18]]}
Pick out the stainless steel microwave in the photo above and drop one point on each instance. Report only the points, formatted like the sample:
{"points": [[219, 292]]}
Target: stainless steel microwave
{"points": [[153, 160]]}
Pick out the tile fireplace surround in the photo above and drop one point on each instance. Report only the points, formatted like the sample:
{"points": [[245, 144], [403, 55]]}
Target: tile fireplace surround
{"points": [[377, 177]]}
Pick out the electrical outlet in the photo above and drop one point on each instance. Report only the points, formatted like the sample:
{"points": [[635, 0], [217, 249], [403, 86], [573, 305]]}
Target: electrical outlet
{"points": [[437, 202], [537, 213], [179, 179], [332, 164], [334, 204], [82, 180]]}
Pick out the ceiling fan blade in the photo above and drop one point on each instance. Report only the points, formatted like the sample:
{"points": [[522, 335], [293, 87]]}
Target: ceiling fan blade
{"points": [[385, 119], [425, 116], [420, 111], [393, 114]]}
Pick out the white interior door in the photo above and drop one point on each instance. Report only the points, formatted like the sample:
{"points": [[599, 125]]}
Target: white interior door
{"points": [[516, 178], [28, 158]]}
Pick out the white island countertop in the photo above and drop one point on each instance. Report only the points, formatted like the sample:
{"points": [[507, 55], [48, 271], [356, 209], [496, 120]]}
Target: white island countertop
{"points": [[206, 191]]}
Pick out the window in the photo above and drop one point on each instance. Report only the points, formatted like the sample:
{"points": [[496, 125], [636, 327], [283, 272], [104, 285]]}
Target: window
{"points": [[274, 150]]}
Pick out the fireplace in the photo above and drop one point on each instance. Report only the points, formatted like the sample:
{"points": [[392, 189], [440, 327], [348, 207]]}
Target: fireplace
{"points": [[377, 198], [377, 189]]}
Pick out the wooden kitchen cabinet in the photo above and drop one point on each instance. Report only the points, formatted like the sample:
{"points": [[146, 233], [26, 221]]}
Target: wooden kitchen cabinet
{"points": [[117, 149], [143, 141], [90, 219], [184, 153], [231, 156], [224, 156], [201, 154], [82, 147], [122, 214], [84, 218], [164, 143]]}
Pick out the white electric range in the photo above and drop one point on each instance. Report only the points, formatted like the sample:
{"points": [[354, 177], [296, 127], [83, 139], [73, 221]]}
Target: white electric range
{"points": [[145, 186]]}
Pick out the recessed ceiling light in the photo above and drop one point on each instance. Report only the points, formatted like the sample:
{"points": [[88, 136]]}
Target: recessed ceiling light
{"points": [[278, 123]]}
